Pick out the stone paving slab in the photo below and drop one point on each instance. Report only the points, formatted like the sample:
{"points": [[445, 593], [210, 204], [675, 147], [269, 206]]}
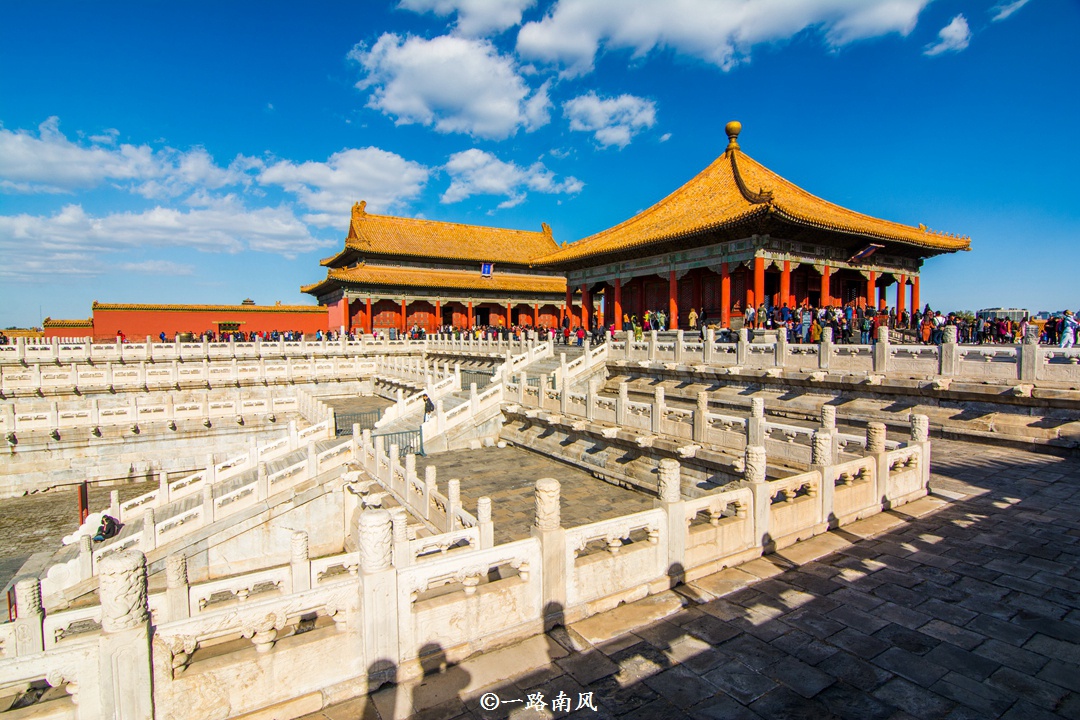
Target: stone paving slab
{"points": [[508, 476], [968, 609]]}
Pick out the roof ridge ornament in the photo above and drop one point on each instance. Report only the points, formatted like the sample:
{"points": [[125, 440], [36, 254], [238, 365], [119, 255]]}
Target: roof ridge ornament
{"points": [[733, 129], [359, 209], [763, 195], [545, 228]]}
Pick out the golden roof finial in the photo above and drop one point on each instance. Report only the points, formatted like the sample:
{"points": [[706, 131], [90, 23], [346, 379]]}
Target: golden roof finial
{"points": [[359, 208], [733, 129]]}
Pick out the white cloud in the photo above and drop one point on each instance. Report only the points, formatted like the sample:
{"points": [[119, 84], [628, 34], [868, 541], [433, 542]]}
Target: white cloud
{"points": [[72, 242], [475, 18], [721, 32], [665, 137], [385, 180], [1003, 10], [475, 172], [954, 37], [108, 137], [51, 163], [158, 267], [613, 121], [454, 84]]}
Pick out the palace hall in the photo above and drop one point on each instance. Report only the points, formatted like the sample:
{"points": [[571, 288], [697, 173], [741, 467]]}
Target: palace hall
{"points": [[397, 273], [735, 235]]}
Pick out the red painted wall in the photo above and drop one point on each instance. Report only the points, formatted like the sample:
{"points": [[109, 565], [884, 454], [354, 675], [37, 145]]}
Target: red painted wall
{"points": [[137, 324]]}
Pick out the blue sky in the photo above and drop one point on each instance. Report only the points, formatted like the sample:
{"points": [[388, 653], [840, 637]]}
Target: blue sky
{"points": [[205, 152]]}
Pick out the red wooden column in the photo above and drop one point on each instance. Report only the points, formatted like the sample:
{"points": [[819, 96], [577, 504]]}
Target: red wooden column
{"points": [[570, 305], [882, 300], [617, 309], [369, 322], [871, 283], [673, 301], [759, 281], [536, 315], [725, 295], [826, 291], [470, 314], [508, 313], [785, 285], [901, 289], [586, 306], [438, 315], [916, 308], [404, 316]]}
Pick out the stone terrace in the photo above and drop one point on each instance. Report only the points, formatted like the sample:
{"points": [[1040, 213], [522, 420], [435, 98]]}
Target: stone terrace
{"points": [[508, 476], [972, 611]]}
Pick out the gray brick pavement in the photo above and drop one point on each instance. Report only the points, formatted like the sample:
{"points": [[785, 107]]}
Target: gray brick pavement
{"points": [[970, 612]]}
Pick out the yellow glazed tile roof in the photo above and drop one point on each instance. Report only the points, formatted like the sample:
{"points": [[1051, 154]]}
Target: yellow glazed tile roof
{"points": [[736, 188], [389, 235], [391, 276], [65, 323], [211, 308]]}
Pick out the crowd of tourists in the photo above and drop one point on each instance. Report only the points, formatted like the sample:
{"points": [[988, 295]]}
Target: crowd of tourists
{"points": [[850, 323]]}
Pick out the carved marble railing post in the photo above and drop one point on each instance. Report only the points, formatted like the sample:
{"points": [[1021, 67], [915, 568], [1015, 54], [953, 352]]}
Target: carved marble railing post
{"points": [[755, 478], [564, 395], [547, 527], [294, 435], [262, 482], [742, 349], [828, 424], [148, 538], [659, 409], [755, 424], [124, 668], [453, 498], [86, 557], [378, 595], [484, 523], [177, 602], [621, 403], [1028, 355], [822, 458], [875, 447], [429, 490], [780, 355], [678, 346], [652, 346], [671, 502], [300, 562], [881, 351], [399, 518], [523, 386], [949, 352], [825, 348], [708, 350], [29, 635], [590, 402], [920, 435], [701, 418]]}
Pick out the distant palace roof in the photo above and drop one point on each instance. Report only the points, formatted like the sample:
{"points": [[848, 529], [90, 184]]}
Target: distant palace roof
{"points": [[409, 237], [391, 276], [737, 190], [68, 323]]}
